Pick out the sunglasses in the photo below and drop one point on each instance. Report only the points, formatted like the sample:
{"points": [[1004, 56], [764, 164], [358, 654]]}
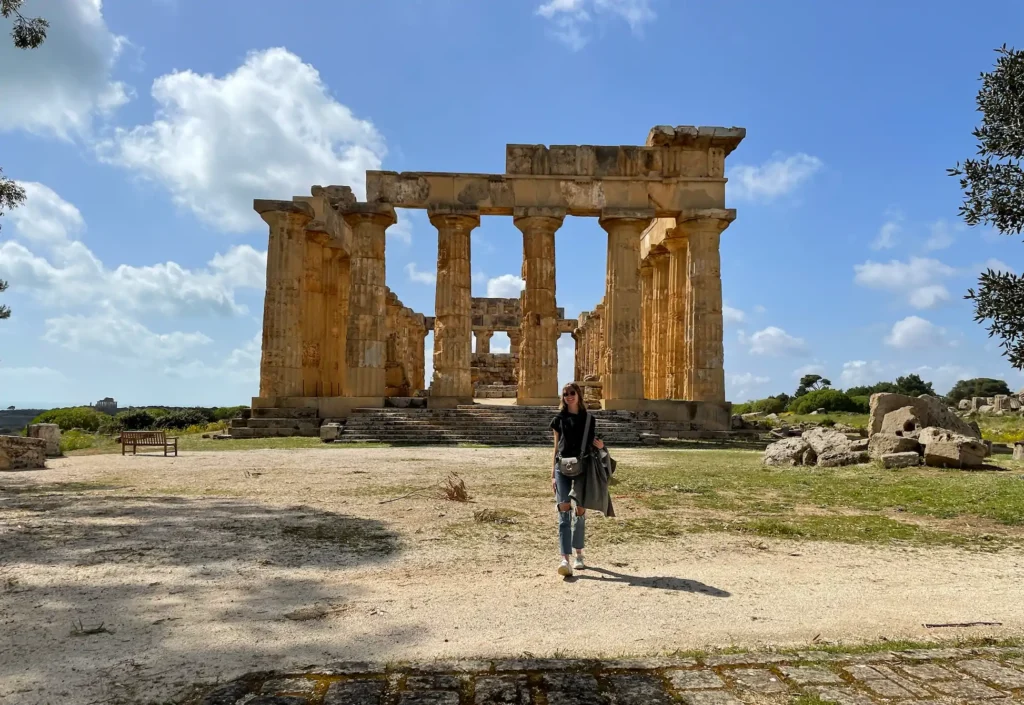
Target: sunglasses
{"points": [[569, 394]]}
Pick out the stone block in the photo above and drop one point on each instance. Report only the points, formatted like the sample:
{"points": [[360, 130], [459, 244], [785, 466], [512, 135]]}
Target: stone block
{"points": [[901, 460], [947, 449], [788, 451], [1018, 451], [885, 443], [330, 432], [929, 411], [22, 453], [49, 432], [902, 422]]}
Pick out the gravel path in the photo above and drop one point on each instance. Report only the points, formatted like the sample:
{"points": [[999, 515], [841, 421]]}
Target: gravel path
{"points": [[210, 565]]}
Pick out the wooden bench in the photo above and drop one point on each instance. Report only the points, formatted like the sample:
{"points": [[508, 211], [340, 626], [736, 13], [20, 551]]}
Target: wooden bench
{"points": [[148, 438]]}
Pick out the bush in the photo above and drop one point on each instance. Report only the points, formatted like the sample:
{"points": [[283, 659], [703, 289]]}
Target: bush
{"points": [[182, 419], [82, 417], [769, 405], [226, 413], [827, 399], [863, 403], [134, 420], [76, 440]]}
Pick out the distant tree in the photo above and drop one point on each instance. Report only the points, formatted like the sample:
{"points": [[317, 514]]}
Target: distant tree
{"points": [[993, 186], [10, 408], [28, 33], [875, 388], [977, 387], [811, 383], [913, 386]]}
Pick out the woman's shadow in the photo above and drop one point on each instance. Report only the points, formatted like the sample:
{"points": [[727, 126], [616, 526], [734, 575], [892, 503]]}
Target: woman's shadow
{"points": [[659, 583]]}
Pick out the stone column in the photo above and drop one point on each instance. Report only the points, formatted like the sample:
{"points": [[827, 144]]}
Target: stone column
{"points": [[647, 334], [677, 378], [538, 353], [703, 229], [597, 341], [314, 314], [453, 383], [367, 329], [622, 378], [483, 341], [419, 343], [281, 361], [334, 370], [515, 340], [660, 323]]}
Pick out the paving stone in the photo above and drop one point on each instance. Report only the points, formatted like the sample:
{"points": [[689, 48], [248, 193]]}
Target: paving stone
{"points": [[346, 668], [993, 672], [862, 672], [841, 696], [710, 697], [970, 690], [573, 689], [903, 682], [744, 659], [888, 689], [290, 686], [439, 682], [928, 672], [467, 666], [356, 692], [428, 697], [932, 654], [810, 675], [646, 664], [506, 690], [639, 690], [539, 665], [695, 680], [758, 680]]}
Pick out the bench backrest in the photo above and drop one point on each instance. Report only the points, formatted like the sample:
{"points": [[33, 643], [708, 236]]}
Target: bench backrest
{"points": [[143, 436]]}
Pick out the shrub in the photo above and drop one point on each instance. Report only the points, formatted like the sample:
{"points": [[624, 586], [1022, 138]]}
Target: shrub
{"points": [[76, 440], [134, 420], [226, 413], [863, 403], [82, 417], [827, 399], [769, 405], [182, 419]]}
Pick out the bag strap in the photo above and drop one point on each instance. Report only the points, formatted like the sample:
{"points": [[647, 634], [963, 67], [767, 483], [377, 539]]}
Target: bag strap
{"points": [[585, 449]]}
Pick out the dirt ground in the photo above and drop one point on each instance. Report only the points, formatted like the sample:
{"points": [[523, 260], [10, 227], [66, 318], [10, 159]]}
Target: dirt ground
{"points": [[126, 579]]}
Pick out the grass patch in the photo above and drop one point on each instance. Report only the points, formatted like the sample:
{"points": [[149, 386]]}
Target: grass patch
{"points": [[498, 516], [634, 530], [353, 535], [1000, 429]]}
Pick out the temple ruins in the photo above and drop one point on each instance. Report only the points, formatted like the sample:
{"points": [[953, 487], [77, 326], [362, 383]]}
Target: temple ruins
{"points": [[336, 339]]}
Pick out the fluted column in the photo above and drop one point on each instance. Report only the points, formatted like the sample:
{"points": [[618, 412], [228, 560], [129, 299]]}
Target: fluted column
{"points": [[597, 340], [660, 324], [314, 315], [538, 352], [281, 360], [333, 368], [483, 341], [419, 342], [703, 229], [367, 329], [452, 382], [647, 332], [679, 330], [622, 379]]}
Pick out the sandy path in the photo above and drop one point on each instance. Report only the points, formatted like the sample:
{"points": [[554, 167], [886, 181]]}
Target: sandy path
{"points": [[197, 588]]}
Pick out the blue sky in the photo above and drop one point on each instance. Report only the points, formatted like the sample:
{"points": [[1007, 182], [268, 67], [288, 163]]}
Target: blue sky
{"points": [[143, 129]]}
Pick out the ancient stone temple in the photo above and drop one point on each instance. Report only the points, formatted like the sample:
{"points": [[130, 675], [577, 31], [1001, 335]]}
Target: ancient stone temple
{"points": [[336, 339]]}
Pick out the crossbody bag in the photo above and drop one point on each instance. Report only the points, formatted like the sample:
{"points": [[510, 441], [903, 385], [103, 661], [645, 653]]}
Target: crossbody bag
{"points": [[572, 467]]}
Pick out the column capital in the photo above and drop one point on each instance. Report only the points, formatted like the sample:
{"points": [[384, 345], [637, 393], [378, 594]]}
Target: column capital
{"points": [[646, 267], [267, 206], [704, 219], [676, 243], [376, 213], [453, 214], [555, 214]]}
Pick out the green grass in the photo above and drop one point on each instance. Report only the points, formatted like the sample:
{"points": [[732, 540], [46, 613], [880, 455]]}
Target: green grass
{"points": [[74, 443], [1000, 429], [855, 420]]}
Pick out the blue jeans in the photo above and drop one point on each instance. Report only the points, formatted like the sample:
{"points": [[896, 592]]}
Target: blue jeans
{"points": [[571, 529]]}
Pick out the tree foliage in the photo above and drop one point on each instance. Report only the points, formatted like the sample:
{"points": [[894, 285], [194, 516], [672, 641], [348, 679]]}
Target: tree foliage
{"points": [[977, 387], [993, 186], [876, 388], [911, 385], [827, 399], [811, 383], [28, 33]]}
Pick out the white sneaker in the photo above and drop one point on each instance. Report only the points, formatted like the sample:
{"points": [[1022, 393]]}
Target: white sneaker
{"points": [[578, 563], [564, 568]]}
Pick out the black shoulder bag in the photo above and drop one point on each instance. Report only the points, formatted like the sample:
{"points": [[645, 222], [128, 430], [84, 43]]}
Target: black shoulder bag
{"points": [[572, 467]]}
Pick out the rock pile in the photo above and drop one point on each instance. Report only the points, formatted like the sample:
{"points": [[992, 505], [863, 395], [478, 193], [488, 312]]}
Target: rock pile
{"points": [[901, 432], [999, 405]]}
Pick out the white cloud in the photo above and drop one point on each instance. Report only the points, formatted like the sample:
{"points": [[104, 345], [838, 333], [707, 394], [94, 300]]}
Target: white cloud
{"points": [[415, 275], [759, 309], [748, 378], [571, 20], [814, 368], [915, 332], [270, 129], [740, 386], [402, 229], [860, 373], [241, 366], [62, 86], [773, 179], [916, 279], [775, 342], [566, 360], [507, 286], [34, 374], [996, 266], [732, 315], [887, 234], [500, 343], [115, 337], [45, 217], [944, 377], [943, 234]]}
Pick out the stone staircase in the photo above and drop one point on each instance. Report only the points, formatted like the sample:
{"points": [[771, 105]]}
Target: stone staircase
{"points": [[269, 423], [486, 425]]}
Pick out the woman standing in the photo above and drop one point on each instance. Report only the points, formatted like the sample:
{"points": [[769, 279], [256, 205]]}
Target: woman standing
{"points": [[568, 427]]}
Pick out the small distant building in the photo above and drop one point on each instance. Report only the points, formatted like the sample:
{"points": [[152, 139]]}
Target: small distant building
{"points": [[106, 405]]}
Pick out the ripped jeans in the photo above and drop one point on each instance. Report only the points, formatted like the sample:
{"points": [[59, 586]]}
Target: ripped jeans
{"points": [[571, 529]]}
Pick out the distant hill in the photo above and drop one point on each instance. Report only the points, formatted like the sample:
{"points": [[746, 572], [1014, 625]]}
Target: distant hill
{"points": [[14, 421]]}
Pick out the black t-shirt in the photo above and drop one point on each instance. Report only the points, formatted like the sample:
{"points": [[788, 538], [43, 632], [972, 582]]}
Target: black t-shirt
{"points": [[570, 433]]}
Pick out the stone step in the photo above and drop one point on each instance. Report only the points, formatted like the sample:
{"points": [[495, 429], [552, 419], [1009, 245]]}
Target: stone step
{"points": [[284, 413]]}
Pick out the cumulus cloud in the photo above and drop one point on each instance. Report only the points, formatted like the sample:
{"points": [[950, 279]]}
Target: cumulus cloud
{"points": [[120, 338], [507, 286], [61, 87], [860, 373], [732, 315], [571, 21], [814, 368], [917, 279], [944, 377], [914, 332], [418, 276], [241, 366], [775, 342], [775, 178], [45, 217], [270, 128], [741, 385], [942, 234], [889, 232]]}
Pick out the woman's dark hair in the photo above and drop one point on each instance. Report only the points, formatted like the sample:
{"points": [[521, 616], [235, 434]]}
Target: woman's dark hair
{"points": [[579, 395]]}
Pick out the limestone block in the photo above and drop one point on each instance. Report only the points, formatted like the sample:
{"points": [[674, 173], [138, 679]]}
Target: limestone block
{"points": [[930, 411], [902, 422], [985, 409], [330, 432], [859, 446], [23, 453], [964, 405], [788, 451], [977, 403], [887, 443], [1014, 403], [49, 432], [826, 440], [1000, 402], [901, 460], [1018, 451], [943, 448]]}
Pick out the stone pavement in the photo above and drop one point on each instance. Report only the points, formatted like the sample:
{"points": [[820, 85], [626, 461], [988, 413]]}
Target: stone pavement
{"points": [[927, 676]]}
